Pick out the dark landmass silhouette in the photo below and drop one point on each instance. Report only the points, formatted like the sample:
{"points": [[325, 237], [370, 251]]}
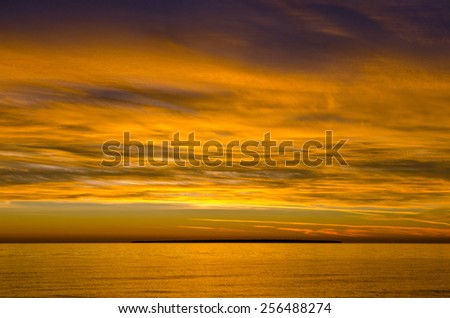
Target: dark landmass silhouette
{"points": [[240, 241]]}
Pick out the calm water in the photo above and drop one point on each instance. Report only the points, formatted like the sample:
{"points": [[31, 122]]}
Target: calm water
{"points": [[224, 270]]}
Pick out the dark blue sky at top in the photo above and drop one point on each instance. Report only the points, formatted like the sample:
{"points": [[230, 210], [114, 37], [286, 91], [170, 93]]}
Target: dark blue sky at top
{"points": [[272, 33]]}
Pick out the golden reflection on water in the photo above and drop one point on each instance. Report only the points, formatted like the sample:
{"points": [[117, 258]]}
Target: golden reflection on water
{"points": [[224, 270]]}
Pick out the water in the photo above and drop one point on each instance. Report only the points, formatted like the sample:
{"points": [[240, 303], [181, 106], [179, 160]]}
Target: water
{"points": [[224, 270]]}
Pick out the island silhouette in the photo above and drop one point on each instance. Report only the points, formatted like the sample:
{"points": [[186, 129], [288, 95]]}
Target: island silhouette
{"points": [[238, 241]]}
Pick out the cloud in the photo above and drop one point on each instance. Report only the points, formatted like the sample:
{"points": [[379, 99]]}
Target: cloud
{"points": [[360, 231], [413, 168], [75, 76], [273, 33]]}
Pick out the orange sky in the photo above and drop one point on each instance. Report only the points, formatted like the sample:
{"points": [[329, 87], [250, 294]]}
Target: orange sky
{"points": [[377, 75]]}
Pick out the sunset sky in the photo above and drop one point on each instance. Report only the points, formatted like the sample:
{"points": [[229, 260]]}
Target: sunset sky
{"points": [[75, 74]]}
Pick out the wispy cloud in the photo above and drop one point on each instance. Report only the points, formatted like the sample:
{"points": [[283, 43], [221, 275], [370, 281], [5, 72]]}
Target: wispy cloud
{"points": [[374, 73]]}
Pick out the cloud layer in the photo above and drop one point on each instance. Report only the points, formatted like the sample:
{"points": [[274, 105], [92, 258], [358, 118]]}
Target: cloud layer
{"points": [[74, 76]]}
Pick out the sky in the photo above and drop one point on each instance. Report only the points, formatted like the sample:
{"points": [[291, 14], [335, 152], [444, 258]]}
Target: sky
{"points": [[75, 74]]}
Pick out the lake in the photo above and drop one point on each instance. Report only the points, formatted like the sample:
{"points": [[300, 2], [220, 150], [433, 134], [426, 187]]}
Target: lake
{"points": [[224, 270]]}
